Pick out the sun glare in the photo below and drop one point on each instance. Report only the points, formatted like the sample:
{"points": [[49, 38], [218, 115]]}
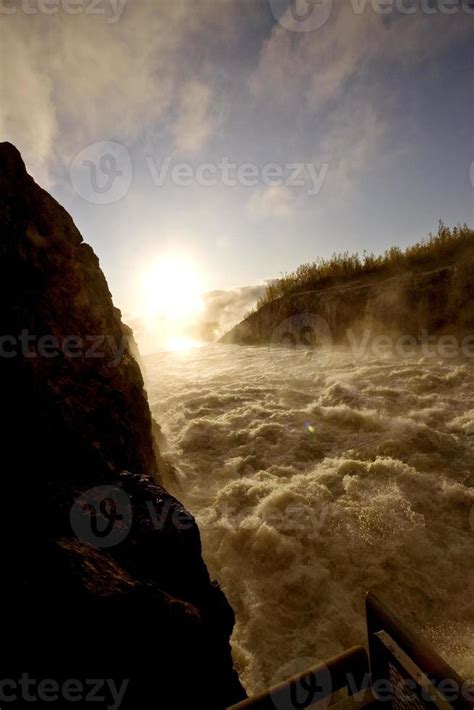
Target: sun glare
{"points": [[171, 290], [182, 345]]}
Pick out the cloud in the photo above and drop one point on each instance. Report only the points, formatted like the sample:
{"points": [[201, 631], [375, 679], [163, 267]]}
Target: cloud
{"points": [[71, 80], [336, 80], [195, 121], [273, 201], [225, 308], [351, 144], [314, 68]]}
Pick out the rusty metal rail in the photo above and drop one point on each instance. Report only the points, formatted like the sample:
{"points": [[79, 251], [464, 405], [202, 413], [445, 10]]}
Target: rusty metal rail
{"points": [[382, 619], [349, 670]]}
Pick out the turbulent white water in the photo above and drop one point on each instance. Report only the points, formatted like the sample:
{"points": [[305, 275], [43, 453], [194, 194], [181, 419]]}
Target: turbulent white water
{"points": [[316, 477]]}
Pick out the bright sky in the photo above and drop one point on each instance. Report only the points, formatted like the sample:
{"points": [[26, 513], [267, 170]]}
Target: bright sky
{"points": [[229, 140]]}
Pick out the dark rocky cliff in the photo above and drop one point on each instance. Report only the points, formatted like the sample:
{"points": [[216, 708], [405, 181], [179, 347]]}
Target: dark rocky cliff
{"points": [[78, 455], [439, 301]]}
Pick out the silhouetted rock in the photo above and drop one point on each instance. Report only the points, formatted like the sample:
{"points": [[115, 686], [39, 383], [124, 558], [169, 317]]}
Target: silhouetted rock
{"points": [[75, 419]]}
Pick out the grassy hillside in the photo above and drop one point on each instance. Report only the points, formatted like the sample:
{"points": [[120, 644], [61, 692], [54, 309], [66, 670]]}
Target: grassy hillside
{"points": [[441, 249]]}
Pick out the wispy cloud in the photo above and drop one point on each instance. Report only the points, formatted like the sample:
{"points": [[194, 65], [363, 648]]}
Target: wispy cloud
{"points": [[196, 119], [312, 69], [70, 80], [335, 79], [273, 201]]}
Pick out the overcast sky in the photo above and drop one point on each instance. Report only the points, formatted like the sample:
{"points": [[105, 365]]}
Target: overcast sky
{"points": [[303, 130]]}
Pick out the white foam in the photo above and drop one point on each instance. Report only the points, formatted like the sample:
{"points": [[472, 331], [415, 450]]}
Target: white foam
{"points": [[315, 478]]}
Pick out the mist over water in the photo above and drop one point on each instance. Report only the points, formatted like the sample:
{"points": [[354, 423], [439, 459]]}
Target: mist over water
{"points": [[317, 476]]}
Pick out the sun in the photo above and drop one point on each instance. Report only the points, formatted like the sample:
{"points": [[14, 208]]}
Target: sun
{"points": [[172, 290]]}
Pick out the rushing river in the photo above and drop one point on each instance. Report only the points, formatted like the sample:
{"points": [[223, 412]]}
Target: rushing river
{"points": [[315, 477]]}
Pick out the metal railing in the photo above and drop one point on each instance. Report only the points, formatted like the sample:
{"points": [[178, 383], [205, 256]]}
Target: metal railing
{"points": [[380, 618], [349, 670]]}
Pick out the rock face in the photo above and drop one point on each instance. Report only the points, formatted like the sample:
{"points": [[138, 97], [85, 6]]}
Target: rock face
{"points": [[102, 569], [436, 302]]}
